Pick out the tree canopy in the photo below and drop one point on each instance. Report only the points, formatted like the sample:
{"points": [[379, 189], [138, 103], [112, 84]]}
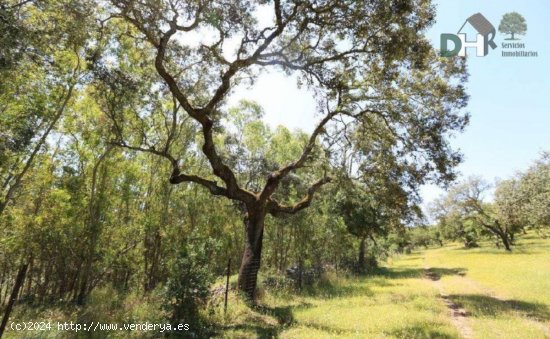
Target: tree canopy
{"points": [[376, 77]]}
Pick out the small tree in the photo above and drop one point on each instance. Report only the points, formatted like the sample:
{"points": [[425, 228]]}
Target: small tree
{"points": [[374, 203], [464, 206], [524, 201], [363, 219], [451, 223], [190, 277], [512, 23], [508, 205]]}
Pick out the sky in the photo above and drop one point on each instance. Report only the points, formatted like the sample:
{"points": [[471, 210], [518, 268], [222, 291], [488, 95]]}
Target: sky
{"points": [[509, 96]]}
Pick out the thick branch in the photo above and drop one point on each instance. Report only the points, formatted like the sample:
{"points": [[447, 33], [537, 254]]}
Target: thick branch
{"points": [[177, 178], [239, 64], [151, 150], [275, 208], [275, 177], [219, 168], [201, 115]]}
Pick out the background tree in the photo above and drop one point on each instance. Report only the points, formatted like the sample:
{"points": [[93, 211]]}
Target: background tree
{"points": [[506, 203], [372, 209], [41, 63], [512, 23], [534, 185], [423, 236], [452, 223], [524, 201], [364, 219], [464, 204], [40, 66], [13, 36]]}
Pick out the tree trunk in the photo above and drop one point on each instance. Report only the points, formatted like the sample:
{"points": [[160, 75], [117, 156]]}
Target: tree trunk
{"points": [[93, 231], [250, 264], [300, 271], [16, 287], [29, 277], [152, 256], [5, 200], [505, 241], [361, 258], [83, 286]]}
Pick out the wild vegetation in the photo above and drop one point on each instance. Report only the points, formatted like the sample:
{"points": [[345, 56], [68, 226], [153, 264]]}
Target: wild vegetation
{"points": [[519, 203], [130, 186]]}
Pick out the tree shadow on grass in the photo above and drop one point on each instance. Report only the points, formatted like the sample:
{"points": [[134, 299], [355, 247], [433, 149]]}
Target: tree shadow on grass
{"points": [[398, 273], [530, 247], [494, 251], [329, 329], [523, 245], [484, 305], [266, 331], [283, 314], [411, 257], [419, 331], [329, 289], [434, 273]]}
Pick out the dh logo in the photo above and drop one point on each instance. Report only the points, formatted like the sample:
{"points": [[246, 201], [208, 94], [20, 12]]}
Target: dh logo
{"points": [[485, 35]]}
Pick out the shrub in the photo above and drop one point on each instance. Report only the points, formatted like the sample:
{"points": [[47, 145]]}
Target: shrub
{"points": [[188, 286]]}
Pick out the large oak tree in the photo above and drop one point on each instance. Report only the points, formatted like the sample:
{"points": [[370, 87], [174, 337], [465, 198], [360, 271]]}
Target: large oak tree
{"points": [[373, 72]]}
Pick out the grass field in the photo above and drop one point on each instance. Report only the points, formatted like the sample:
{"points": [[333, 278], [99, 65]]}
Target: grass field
{"points": [[446, 292], [501, 295]]}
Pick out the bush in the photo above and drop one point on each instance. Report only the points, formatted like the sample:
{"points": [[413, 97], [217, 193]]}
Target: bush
{"points": [[188, 286], [277, 282], [103, 305]]}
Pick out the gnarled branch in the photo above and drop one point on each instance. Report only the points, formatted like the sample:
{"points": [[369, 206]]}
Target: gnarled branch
{"points": [[275, 208], [177, 178]]}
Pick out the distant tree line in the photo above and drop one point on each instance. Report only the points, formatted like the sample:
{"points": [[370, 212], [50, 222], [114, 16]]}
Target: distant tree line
{"points": [[518, 204]]}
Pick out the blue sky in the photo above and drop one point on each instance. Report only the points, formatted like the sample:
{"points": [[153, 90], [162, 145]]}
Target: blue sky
{"points": [[509, 104], [509, 97]]}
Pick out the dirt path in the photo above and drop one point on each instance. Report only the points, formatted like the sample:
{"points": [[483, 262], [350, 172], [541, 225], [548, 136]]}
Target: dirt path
{"points": [[486, 291], [476, 286], [459, 316]]}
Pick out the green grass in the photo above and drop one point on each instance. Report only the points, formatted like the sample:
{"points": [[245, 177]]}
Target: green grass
{"points": [[394, 303], [505, 295], [105, 305]]}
